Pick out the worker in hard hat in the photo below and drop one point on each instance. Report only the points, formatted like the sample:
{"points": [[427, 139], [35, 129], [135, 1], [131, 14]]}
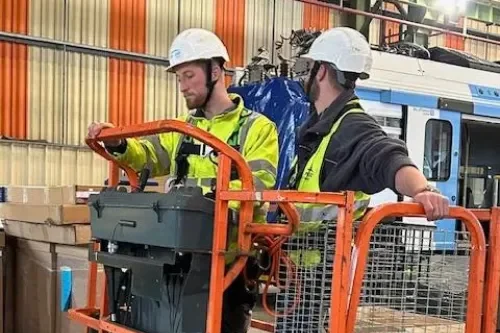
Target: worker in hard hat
{"points": [[343, 148], [197, 58], [340, 147]]}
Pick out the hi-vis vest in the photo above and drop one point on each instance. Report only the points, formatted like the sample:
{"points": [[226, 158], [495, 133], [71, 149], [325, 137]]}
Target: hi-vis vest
{"points": [[312, 216], [253, 134]]}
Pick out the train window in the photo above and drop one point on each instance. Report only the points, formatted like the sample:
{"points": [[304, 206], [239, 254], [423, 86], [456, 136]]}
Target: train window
{"points": [[437, 150]]}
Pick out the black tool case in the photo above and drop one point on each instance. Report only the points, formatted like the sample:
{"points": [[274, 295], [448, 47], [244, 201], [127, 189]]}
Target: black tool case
{"points": [[156, 251]]}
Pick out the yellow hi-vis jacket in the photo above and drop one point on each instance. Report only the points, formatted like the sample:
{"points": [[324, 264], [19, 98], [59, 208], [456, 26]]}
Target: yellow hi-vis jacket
{"points": [[313, 215], [254, 133]]}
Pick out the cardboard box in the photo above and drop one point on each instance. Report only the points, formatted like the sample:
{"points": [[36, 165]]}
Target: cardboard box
{"points": [[49, 214], [38, 280], [60, 195], [50, 195], [59, 234]]}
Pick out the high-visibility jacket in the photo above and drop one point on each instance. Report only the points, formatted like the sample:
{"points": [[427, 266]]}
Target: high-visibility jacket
{"points": [[312, 216], [254, 134]]}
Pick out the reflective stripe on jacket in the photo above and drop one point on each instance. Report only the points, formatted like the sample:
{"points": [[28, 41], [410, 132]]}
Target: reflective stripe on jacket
{"points": [[313, 215], [254, 133]]}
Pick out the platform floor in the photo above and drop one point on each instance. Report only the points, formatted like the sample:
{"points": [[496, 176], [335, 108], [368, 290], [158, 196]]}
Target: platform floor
{"points": [[373, 319]]}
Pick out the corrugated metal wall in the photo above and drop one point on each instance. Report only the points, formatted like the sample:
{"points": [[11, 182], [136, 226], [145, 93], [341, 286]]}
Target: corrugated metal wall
{"points": [[161, 89], [127, 32], [25, 163], [482, 49], [13, 70], [52, 95]]}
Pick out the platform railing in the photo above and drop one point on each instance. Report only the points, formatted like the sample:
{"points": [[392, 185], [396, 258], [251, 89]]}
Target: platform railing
{"points": [[348, 262], [476, 276], [98, 319]]}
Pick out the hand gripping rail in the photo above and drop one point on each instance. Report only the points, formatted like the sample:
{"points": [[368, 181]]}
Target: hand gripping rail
{"points": [[219, 281], [477, 260]]}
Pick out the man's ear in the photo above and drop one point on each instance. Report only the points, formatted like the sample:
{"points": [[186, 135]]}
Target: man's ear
{"points": [[216, 72], [322, 73]]}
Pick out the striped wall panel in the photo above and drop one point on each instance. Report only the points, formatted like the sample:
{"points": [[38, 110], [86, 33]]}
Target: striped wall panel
{"points": [[45, 74], [259, 27], [160, 87], [45, 106], [127, 31], [196, 14], [13, 70], [52, 95], [316, 17], [264, 16], [481, 49], [335, 18], [67, 90], [230, 27], [48, 164], [85, 80], [289, 15]]}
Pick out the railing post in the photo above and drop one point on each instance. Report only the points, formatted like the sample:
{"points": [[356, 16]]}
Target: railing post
{"points": [[492, 277]]}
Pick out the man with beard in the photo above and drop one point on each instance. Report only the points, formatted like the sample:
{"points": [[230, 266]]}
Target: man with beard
{"points": [[340, 148], [197, 57]]}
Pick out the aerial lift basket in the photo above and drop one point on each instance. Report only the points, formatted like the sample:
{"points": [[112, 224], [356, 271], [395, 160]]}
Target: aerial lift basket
{"points": [[346, 261], [103, 319]]}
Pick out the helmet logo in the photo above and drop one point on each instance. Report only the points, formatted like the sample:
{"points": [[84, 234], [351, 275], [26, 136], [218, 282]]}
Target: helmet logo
{"points": [[175, 54]]}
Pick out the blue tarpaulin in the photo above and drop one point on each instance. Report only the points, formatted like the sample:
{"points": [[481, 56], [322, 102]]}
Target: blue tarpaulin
{"points": [[283, 101]]}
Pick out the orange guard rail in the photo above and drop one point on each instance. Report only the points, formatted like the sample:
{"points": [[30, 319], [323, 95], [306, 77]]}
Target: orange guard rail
{"points": [[219, 281], [346, 285]]}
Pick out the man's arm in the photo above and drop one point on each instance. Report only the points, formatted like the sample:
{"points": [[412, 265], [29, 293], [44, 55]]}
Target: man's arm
{"points": [[150, 151], [410, 181], [362, 157], [383, 162]]}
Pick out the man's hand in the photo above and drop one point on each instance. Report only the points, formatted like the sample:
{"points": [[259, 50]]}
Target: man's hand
{"points": [[95, 129], [412, 183], [436, 206]]}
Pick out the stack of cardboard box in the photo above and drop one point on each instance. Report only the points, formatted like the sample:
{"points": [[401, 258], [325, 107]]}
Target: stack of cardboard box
{"points": [[49, 214], [48, 234]]}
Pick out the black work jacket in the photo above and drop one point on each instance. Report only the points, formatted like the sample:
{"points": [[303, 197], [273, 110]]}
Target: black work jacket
{"points": [[360, 155]]}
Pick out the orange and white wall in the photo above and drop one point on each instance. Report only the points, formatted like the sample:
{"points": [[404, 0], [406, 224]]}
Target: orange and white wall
{"points": [[51, 96]]}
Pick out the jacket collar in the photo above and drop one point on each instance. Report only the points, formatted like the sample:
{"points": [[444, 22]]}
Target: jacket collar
{"points": [[322, 124], [236, 108]]}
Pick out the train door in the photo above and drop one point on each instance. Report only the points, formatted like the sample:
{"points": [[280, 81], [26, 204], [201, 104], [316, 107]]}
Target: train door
{"points": [[433, 140]]}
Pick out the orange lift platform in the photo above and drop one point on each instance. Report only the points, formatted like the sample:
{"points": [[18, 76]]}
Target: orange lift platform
{"points": [[351, 251]]}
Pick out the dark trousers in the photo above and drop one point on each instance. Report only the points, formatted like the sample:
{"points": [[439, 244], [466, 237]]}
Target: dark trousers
{"points": [[237, 306]]}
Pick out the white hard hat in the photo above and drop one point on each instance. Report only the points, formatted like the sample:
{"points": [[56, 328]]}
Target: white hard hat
{"points": [[345, 48], [196, 44]]}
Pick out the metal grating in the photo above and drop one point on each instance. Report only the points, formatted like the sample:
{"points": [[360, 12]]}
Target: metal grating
{"points": [[306, 298], [408, 286]]}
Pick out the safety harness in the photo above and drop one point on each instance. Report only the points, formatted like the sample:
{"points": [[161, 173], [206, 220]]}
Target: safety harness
{"points": [[188, 147]]}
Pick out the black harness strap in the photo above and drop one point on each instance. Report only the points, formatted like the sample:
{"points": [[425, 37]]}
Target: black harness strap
{"points": [[188, 147]]}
